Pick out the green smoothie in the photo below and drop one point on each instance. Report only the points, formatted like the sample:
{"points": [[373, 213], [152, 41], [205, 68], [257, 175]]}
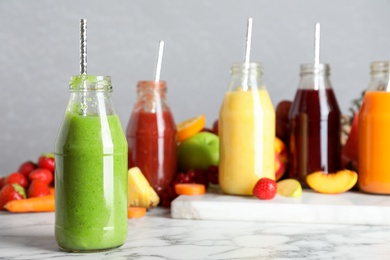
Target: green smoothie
{"points": [[91, 183]]}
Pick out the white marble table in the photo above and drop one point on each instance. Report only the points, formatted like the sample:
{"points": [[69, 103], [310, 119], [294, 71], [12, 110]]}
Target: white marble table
{"points": [[158, 236]]}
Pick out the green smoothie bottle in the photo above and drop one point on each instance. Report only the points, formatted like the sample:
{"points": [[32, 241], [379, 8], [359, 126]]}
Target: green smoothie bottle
{"points": [[91, 170]]}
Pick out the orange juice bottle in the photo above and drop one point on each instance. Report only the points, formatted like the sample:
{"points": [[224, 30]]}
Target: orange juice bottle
{"points": [[374, 132], [246, 131]]}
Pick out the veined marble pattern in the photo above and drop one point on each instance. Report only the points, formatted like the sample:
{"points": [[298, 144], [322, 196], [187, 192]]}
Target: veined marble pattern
{"points": [[158, 236]]}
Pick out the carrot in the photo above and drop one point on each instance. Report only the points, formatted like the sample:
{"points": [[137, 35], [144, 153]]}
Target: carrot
{"points": [[136, 212], [190, 189], [51, 190], [37, 204]]}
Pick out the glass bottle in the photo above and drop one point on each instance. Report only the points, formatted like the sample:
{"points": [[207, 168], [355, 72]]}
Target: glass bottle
{"points": [[151, 136], [315, 125], [374, 132], [90, 170], [246, 131]]}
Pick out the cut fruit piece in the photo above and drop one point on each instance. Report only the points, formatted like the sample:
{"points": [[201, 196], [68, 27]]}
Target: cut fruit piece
{"points": [[140, 193], [332, 183], [190, 127], [190, 189], [136, 212], [289, 188]]}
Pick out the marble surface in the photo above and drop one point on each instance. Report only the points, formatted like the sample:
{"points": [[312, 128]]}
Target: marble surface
{"points": [[158, 236], [311, 207]]}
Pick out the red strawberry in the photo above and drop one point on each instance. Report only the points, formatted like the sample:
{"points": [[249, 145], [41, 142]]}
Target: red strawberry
{"points": [[265, 189], [18, 178], [2, 182], [43, 175], [46, 161], [11, 192], [38, 189], [27, 167]]}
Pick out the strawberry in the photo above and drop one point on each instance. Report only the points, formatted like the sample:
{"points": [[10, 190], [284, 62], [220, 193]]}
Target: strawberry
{"points": [[27, 167], [11, 192], [41, 174], [46, 161], [265, 189], [2, 182], [38, 189], [18, 178]]}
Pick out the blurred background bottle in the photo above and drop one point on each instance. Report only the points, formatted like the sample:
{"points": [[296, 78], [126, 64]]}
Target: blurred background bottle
{"points": [[374, 132], [315, 125], [151, 136], [246, 131]]}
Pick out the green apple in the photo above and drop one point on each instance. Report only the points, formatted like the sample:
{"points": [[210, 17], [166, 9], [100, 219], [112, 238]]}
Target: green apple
{"points": [[199, 151]]}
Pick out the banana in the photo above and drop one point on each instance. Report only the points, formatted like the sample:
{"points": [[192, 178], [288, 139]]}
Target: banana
{"points": [[140, 193]]}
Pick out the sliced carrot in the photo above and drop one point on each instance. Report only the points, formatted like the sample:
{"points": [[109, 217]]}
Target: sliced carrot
{"points": [[37, 204], [190, 127], [190, 189], [136, 212]]}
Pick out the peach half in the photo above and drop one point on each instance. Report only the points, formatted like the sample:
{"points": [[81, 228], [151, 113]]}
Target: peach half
{"points": [[281, 158], [332, 183]]}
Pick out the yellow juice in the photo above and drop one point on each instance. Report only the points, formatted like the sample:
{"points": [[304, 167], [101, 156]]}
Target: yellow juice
{"points": [[247, 135]]}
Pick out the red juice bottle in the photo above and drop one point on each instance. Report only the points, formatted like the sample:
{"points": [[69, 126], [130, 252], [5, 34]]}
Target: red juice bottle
{"points": [[151, 136], [315, 125]]}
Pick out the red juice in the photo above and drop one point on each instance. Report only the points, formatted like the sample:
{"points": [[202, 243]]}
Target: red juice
{"points": [[152, 147], [315, 127]]}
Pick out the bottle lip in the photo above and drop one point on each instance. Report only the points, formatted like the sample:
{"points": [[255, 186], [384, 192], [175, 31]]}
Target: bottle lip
{"points": [[311, 68], [152, 84], [90, 82], [379, 67], [242, 67]]}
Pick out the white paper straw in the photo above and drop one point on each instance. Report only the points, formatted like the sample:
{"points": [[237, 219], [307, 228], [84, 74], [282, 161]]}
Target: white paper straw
{"points": [[159, 61], [317, 39], [248, 42]]}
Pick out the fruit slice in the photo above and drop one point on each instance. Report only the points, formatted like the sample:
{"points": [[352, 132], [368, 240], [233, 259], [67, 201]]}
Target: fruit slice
{"points": [[140, 193], [136, 212], [289, 188], [190, 127], [190, 189], [332, 183]]}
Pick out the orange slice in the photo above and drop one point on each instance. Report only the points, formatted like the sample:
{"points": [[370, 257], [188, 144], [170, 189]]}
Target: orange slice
{"points": [[190, 189], [190, 127]]}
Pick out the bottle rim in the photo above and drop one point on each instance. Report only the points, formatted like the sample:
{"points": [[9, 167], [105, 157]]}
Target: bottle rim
{"points": [[311, 68], [378, 67], [152, 84], [90, 82], [242, 67]]}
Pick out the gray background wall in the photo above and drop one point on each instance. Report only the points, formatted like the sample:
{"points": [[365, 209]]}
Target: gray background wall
{"points": [[39, 51]]}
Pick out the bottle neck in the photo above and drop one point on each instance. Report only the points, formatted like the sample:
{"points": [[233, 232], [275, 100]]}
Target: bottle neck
{"points": [[91, 95], [246, 77], [315, 76], [151, 96], [380, 80]]}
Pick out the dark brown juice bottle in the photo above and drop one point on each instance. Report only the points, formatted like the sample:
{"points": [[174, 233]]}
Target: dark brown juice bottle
{"points": [[315, 125]]}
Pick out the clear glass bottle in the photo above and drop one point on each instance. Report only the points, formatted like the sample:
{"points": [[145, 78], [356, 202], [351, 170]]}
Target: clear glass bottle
{"points": [[246, 131], [315, 125], [374, 132], [91, 170], [151, 136]]}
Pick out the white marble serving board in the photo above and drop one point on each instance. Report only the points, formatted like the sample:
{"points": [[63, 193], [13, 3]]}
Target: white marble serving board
{"points": [[346, 208]]}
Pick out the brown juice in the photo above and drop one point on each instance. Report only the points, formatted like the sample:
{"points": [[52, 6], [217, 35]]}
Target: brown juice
{"points": [[315, 124]]}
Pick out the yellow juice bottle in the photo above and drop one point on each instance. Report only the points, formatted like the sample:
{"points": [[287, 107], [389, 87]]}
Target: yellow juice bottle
{"points": [[247, 131]]}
